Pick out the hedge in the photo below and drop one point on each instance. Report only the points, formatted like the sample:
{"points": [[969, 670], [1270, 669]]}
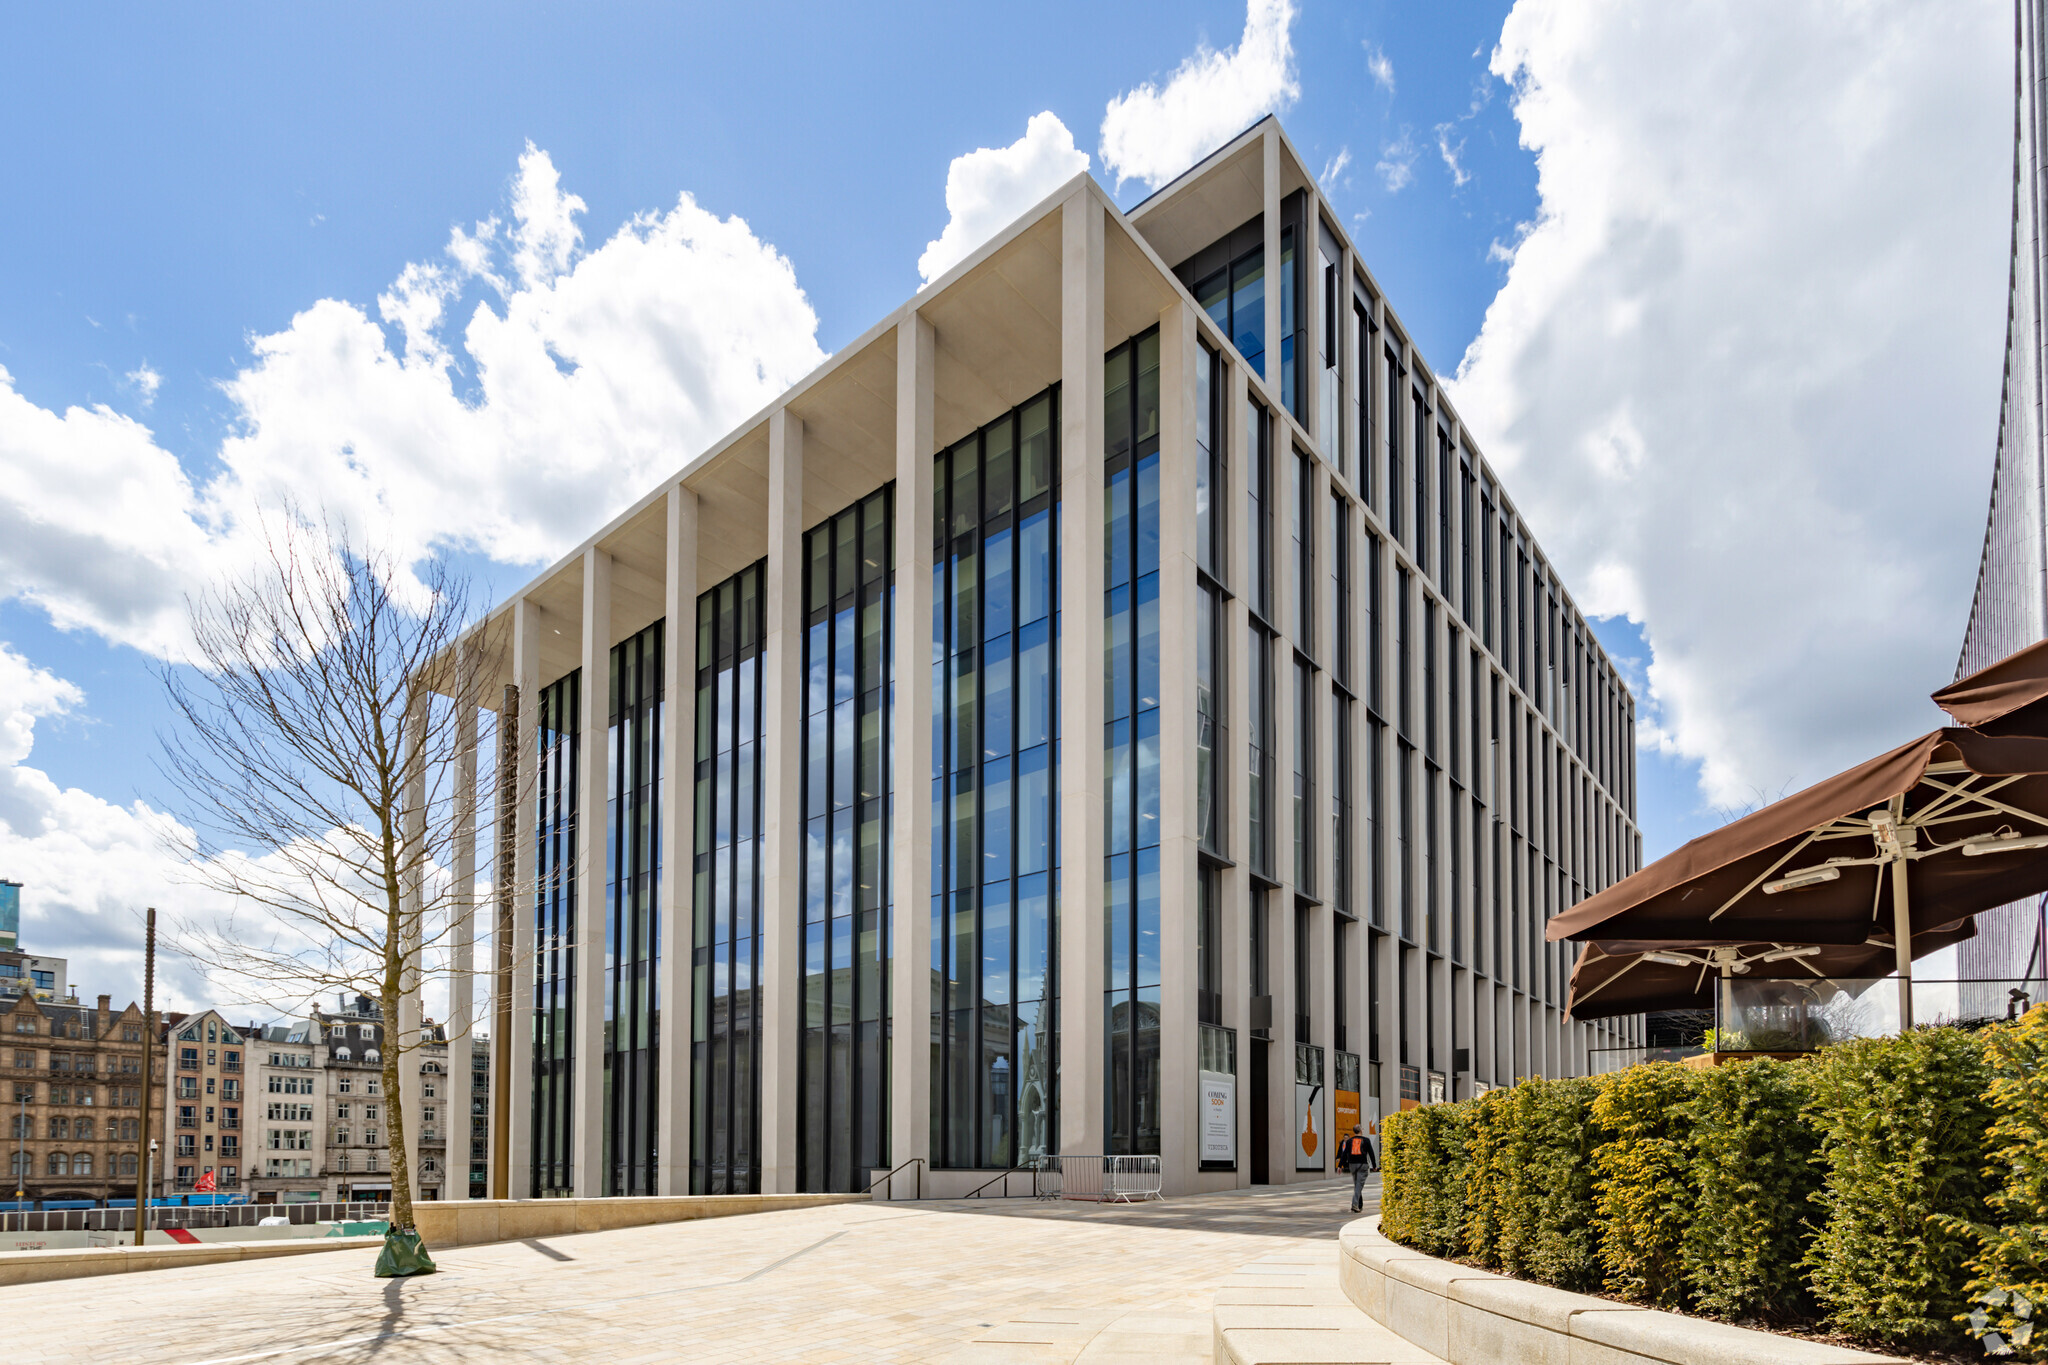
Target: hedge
{"points": [[1753, 1166], [1903, 1124], [1892, 1189], [2009, 1270], [1644, 1190]]}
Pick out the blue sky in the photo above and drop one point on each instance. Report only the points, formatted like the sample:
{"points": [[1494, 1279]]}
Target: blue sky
{"points": [[184, 181]]}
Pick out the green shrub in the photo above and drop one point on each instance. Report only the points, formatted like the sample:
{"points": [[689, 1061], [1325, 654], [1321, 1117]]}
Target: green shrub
{"points": [[1644, 1193], [1488, 1174], [1753, 1167], [1545, 1223], [1449, 1126], [1400, 1160], [1422, 1187], [2010, 1268], [1902, 1124]]}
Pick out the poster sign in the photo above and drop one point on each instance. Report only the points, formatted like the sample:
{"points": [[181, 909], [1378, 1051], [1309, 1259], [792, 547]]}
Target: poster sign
{"points": [[1312, 1127], [1348, 1116], [1219, 1116]]}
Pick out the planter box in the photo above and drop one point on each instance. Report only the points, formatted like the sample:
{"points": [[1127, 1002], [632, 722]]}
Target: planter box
{"points": [[1475, 1317]]}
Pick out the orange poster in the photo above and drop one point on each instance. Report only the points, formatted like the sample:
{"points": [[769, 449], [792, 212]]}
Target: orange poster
{"points": [[1347, 1113]]}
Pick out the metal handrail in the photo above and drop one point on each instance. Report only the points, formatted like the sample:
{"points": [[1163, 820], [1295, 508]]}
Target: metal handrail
{"points": [[916, 1161], [1033, 1166]]}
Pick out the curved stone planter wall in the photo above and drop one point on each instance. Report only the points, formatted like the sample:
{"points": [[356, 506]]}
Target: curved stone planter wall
{"points": [[1473, 1317]]}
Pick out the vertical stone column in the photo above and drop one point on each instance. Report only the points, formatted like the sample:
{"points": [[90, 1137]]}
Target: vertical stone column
{"points": [[1322, 767], [1281, 958], [1081, 644], [675, 978], [1236, 919], [405, 1042], [782, 806], [452, 1103], [516, 1102], [1269, 198], [1179, 897], [910, 868], [593, 782]]}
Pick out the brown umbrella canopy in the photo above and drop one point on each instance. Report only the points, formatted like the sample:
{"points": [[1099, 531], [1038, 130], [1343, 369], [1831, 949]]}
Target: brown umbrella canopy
{"points": [[1613, 978], [2006, 698], [1945, 790]]}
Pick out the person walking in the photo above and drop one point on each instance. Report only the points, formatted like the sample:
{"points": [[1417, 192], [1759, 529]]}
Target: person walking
{"points": [[1354, 1154]]}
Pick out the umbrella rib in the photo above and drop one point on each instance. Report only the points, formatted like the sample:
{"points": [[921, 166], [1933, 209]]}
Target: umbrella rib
{"points": [[1609, 981], [1958, 795], [1759, 879], [2015, 811]]}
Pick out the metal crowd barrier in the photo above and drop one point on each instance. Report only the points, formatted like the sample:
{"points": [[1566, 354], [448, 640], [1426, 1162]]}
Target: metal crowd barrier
{"points": [[121, 1217], [1107, 1179]]}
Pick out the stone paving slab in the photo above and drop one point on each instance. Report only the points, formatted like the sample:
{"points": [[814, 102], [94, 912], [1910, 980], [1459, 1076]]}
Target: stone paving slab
{"points": [[959, 1281]]}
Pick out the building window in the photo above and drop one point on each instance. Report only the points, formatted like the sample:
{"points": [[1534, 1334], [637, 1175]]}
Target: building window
{"points": [[1330, 394], [1208, 945], [554, 1046], [849, 653], [632, 922], [1304, 808], [1363, 351], [731, 733], [994, 784], [1212, 736], [1304, 510], [1211, 467], [1340, 802], [1259, 509], [1235, 297], [1396, 377], [1259, 750], [1131, 744]]}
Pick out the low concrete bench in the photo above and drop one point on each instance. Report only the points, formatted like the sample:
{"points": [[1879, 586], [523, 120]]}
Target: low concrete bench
{"points": [[1473, 1317], [1295, 1311], [159, 1253]]}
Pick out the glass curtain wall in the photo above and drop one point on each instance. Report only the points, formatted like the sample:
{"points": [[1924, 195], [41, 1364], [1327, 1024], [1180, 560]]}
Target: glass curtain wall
{"points": [[554, 939], [1131, 742], [995, 856], [849, 648], [1235, 299], [632, 1007], [725, 1106]]}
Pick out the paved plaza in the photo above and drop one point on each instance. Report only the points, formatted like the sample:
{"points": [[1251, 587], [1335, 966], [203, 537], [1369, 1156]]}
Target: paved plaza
{"points": [[957, 1281]]}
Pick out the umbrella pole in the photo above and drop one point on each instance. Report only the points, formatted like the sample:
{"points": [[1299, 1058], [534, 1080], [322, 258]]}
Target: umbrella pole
{"points": [[1902, 933]]}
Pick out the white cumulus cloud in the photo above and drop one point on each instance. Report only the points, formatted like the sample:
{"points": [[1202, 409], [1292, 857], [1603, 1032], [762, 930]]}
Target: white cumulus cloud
{"points": [[1381, 66], [145, 381], [87, 865], [1743, 372], [1153, 133], [1397, 163], [579, 379], [988, 187]]}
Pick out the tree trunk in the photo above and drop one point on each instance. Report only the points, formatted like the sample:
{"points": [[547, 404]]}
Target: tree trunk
{"points": [[401, 1168]]}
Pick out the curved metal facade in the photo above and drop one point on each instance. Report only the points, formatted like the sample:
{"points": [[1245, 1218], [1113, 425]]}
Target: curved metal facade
{"points": [[2010, 610]]}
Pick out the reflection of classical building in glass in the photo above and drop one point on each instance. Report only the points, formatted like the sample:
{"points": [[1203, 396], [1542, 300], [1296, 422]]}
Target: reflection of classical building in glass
{"points": [[2010, 610], [1118, 681]]}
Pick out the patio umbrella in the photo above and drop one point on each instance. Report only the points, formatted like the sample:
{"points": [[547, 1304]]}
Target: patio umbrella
{"points": [[1889, 858], [1616, 977]]}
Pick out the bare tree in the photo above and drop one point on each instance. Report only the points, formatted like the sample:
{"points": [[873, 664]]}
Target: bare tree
{"points": [[319, 728]]}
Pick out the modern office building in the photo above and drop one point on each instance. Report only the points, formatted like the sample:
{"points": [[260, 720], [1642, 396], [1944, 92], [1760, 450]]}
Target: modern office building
{"points": [[2010, 609], [1110, 707]]}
